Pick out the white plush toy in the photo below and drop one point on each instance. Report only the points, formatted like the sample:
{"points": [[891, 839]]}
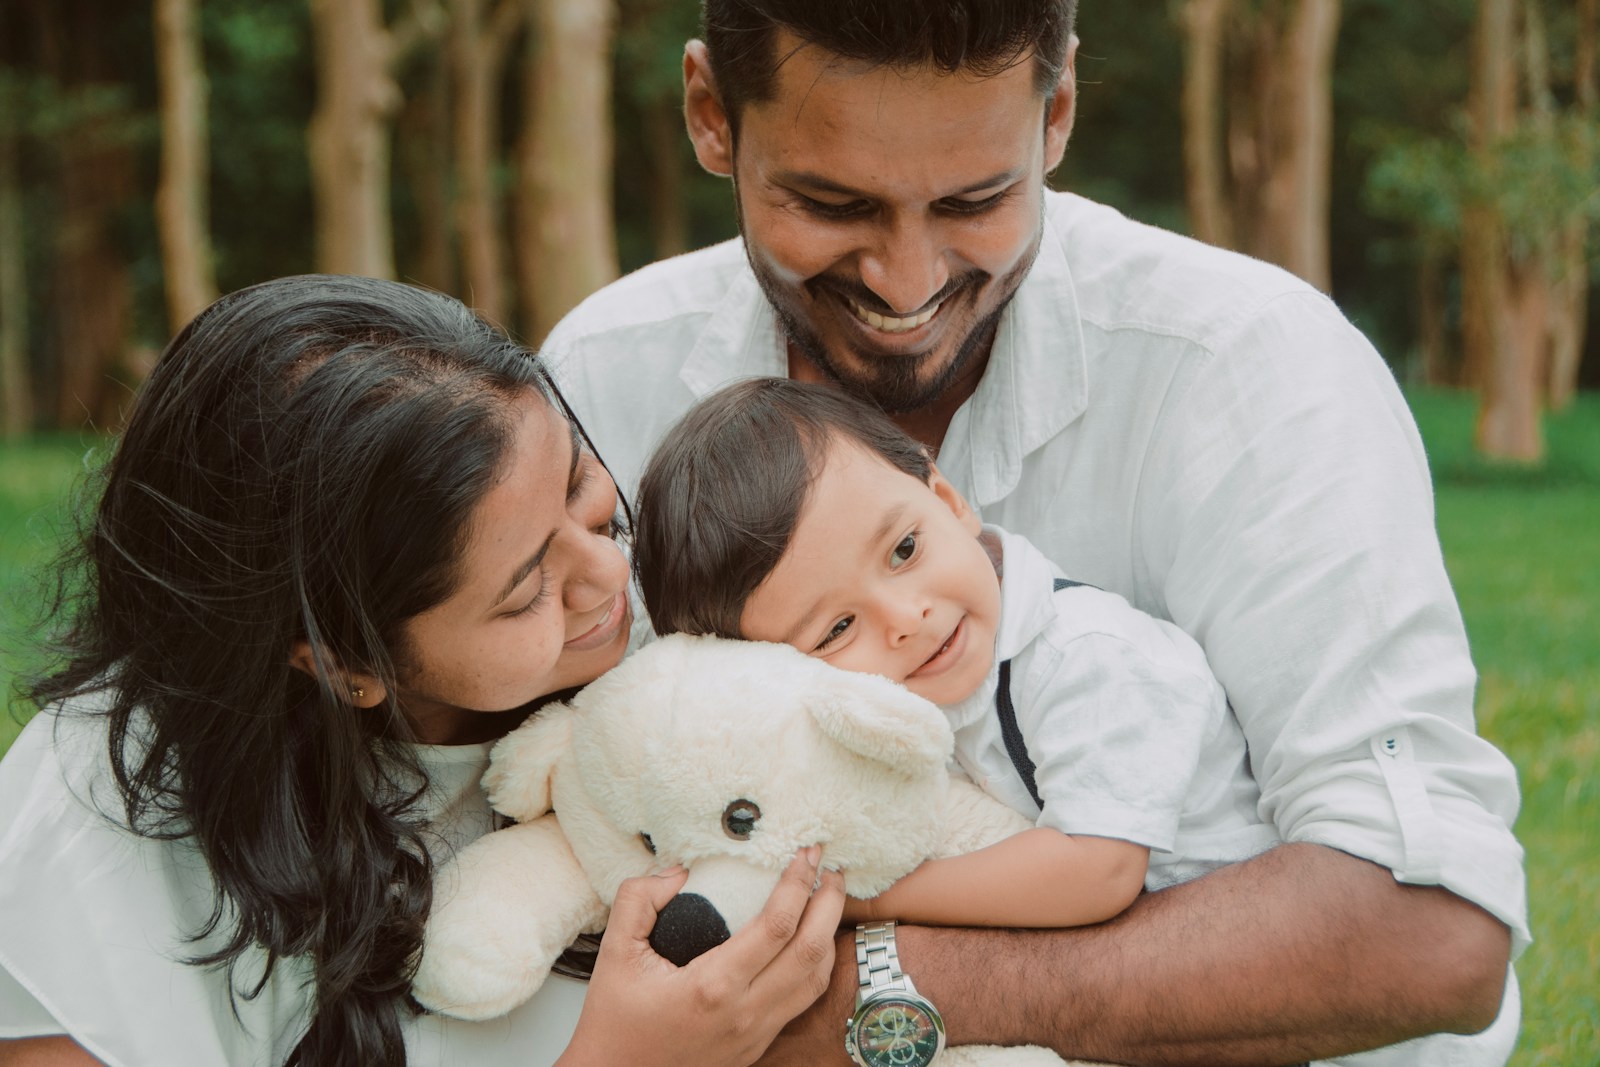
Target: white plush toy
{"points": [[726, 757]]}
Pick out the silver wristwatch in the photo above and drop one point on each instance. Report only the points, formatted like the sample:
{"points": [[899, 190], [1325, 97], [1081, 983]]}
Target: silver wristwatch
{"points": [[893, 1024]]}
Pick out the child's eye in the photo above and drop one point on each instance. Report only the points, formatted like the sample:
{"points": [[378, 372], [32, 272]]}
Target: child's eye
{"points": [[834, 634], [904, 550]]}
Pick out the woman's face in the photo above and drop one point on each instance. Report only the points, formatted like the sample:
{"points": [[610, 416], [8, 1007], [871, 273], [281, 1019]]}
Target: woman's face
{"points": [[542, 603]]}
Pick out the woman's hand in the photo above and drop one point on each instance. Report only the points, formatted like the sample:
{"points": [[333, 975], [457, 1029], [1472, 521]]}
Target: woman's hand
{"points": [[726, 1006]]}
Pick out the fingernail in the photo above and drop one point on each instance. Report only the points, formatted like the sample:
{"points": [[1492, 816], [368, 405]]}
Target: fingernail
{"points": [[813, 854], [671, 872]]}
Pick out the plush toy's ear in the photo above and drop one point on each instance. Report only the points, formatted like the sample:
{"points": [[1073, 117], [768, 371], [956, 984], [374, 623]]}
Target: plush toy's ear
{"points": [[885, 722], [522, 762]]}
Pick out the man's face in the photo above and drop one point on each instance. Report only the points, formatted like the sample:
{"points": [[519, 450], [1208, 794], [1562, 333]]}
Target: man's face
{"points": [[888, 214]]}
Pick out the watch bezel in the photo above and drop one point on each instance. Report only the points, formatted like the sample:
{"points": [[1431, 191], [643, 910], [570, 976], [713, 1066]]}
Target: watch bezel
{"points": [[884, 998]]}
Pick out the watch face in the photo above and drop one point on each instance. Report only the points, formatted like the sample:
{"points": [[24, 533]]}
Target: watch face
{"points": [[897, 1031]]}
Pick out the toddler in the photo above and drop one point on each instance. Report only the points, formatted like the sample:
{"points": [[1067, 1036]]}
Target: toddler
{"points": [[779, 511]]}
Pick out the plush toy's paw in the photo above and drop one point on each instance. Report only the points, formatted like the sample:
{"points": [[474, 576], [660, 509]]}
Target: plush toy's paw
{"points": [[504, 909]]}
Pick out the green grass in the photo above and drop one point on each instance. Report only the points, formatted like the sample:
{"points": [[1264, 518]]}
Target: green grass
{"points": [[37, 480], [1523, 548]]}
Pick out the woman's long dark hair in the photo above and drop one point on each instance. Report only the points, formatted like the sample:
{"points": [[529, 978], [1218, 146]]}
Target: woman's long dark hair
{"points": [[302, 464]]}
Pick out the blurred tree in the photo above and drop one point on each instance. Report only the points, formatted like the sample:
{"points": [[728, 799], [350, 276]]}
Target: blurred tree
{"points": [[263, 89], [183, 193], [357, 57], [566, 237], [1261, 70], [1529, 196], [16, 381], [425, 223], [480, 40], [1570, 310], [88, 120]]}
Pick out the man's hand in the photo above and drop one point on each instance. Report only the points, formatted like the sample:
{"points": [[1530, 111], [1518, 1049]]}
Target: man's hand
{"points": [[1302, 953], [815, 1037]]}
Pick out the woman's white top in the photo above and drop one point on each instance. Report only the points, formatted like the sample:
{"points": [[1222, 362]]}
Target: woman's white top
{"points": [[93, 921]]}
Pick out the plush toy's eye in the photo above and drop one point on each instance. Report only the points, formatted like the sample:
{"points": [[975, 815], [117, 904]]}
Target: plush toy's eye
{"points": [[739, 819], [649, 844]]}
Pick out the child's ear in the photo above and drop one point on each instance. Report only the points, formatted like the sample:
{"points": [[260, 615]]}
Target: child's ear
{"points": [[360, 690], [954, 501]]}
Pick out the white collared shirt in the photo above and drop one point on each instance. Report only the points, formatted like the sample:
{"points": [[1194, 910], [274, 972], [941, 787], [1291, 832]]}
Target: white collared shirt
{"points": [[1207, 436], [1129, 733], [93, 921]]}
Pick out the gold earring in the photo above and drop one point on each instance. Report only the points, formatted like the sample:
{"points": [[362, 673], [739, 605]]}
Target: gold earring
{"points": [[357, 693]]}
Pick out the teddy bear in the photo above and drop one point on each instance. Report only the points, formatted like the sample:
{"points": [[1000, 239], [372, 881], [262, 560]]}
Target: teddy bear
{"points": [[723, 756]]}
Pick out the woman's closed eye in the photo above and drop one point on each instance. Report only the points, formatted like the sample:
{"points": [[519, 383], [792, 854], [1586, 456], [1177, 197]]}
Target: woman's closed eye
{"points": [[836, 632], [538, 598]]}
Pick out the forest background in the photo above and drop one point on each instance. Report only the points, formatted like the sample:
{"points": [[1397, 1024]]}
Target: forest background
{"points": [[1433, 164]]}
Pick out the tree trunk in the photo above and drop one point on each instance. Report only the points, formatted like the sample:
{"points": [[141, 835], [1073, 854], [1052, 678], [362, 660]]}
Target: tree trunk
{"points": [[1205, 183], [16, 387], [93, 288], [1570, 310], [423, 139], [348, 138], [478, 52], [1496, 299], [669, 205], [565, 235], [1298, 186], [181, 195], [89, 311], [1280, 131]]}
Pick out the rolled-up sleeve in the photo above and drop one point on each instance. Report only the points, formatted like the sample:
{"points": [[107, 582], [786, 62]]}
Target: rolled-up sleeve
{"points": [[1290, 512]]}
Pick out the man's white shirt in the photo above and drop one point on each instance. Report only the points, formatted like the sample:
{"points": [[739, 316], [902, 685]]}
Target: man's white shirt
{"points": [[1208, 437]]}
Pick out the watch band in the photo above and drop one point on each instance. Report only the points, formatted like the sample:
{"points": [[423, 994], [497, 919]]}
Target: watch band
{"points": [[877, 960]]}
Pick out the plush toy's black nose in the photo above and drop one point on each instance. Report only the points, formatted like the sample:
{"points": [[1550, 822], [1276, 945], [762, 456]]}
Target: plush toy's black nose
{"points": [[686, 927]]}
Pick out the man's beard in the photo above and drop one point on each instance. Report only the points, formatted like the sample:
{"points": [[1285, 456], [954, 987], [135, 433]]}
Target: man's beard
{"points": [[896, 385]]}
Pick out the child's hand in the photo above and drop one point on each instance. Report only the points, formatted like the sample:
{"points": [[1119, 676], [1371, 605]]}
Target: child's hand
{"points": [[857, 910]]}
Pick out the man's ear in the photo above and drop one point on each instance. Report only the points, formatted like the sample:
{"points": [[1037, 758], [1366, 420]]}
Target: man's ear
{"points": [[954, 501], [1061, 110], [709, 129], [360, 690]]}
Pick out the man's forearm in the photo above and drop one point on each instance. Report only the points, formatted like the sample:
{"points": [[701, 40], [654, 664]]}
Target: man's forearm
{"points": [[1303, 953]]}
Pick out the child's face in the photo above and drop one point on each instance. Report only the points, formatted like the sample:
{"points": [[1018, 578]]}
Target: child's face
{"points": [[884, 575]]}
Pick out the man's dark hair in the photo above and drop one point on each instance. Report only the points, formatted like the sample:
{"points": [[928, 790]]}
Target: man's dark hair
{"points": [[984, 37], [721, 497]]}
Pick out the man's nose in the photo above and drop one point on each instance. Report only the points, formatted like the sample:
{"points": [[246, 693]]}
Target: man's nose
{"points": [[905, 265]]}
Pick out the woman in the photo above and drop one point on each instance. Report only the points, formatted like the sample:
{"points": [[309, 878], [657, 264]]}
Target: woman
{"points": [[345, 542]]}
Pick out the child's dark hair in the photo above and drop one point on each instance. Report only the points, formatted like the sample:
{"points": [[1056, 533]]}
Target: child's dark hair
{"points": [[721, 497]]}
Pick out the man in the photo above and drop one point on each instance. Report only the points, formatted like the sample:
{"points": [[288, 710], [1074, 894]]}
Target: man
{"points": [[1197, 431]]}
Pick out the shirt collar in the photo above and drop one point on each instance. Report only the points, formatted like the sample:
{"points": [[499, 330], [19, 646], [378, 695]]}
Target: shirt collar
{"points": [[1036, 383], [1027, 608], [1027, 595], [742, 340]]}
